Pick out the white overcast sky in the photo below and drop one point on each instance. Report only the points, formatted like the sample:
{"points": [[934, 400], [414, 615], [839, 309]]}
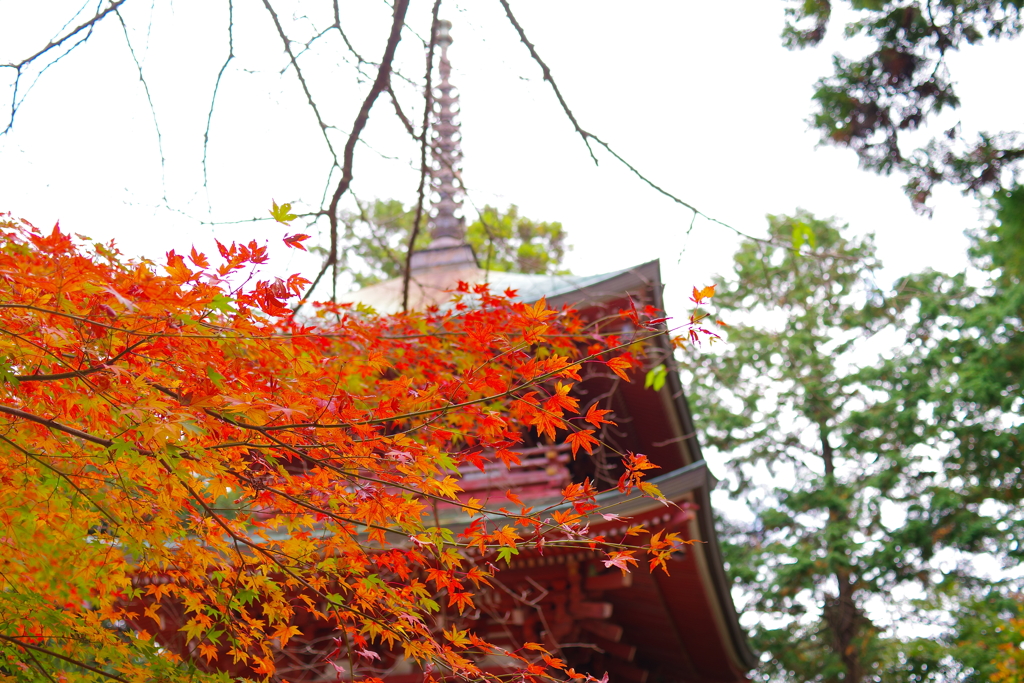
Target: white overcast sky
{"points": [[700, 96]]}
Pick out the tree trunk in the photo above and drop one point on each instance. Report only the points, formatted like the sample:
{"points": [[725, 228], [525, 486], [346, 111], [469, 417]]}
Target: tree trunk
{"points": [[840, 612]]}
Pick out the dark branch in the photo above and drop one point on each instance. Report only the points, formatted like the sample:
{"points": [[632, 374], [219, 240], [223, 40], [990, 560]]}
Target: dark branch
{"points": [[52, 424], [69, 660], [380, 84], [428, 105], [401, 114], [216, 85], [547, 77], [19, 66]]}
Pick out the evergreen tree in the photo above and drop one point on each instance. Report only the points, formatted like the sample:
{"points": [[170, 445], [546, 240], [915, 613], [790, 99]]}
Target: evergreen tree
{"points": [[872, 464], [872, 103]]}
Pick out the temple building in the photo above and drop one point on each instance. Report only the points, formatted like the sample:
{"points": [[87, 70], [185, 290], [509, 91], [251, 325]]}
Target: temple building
{"points": [[644, 626], [641, 627]]}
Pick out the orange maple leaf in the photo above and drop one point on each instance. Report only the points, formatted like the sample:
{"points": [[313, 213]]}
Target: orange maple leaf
{"points": [[700, 294], [582, 439], [596, 417], [619, 365]]}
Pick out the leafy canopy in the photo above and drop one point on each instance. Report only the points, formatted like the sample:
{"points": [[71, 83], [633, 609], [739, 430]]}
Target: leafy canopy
{"points": [[179, 452], [866, 472], [377, 240], [872, 104]]}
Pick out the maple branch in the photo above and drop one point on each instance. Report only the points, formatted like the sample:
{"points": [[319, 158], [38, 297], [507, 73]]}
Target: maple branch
{"points": [[380, 84], [428, 105], [302, 79], [52, 424], [216, 88], [40, 667], [270, 554], [65, 476], [284, 336], [81, 373], [463, 404], [305, 457], [19, 66], [316, 508], [14, 640], [588, 136]]}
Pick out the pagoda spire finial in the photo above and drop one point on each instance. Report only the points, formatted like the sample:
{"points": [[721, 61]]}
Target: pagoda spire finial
{"points": [[447, 229]]}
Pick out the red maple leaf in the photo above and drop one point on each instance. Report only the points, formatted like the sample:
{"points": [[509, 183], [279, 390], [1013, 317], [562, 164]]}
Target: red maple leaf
{"points": [[296, 241]]}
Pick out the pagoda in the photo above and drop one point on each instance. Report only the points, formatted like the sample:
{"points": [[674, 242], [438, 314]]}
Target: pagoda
{"points": [[670, 626], [640, 627]]}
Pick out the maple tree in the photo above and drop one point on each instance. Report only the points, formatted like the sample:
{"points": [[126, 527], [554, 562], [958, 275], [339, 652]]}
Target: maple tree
{"points": [[175, 444]]}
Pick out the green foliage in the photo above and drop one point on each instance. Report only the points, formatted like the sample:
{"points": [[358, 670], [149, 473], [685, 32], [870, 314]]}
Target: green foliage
{"points": [[377, 238], [868, 104], [509, 242], [655, 378], [862, 471]]}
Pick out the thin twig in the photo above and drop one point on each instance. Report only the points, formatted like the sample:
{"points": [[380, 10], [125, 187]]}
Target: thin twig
{"points": [[19, 66], [302, 79], [588, 137], [216, 88], [401, 114], [152, 109]]}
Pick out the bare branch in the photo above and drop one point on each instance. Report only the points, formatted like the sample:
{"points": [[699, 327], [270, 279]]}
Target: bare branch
{"points": [[149, 99], [360, 60], [348, 44], [18, 67], [588, 137], [216, 86], [547, 77], [379, 86], [428, 105], [302, 79]]}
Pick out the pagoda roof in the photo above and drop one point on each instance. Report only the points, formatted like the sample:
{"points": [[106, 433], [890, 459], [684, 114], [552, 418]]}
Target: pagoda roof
{"points": [[694, 611], [435, 286]]}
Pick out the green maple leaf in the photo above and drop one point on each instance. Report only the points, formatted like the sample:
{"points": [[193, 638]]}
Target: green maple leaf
{"points": [[506, 553], [7, 374], [656, 378]]}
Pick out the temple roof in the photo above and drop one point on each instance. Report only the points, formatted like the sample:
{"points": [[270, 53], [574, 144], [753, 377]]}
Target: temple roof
{"points": [[677, 626], [692, 623], [434, 286]]}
